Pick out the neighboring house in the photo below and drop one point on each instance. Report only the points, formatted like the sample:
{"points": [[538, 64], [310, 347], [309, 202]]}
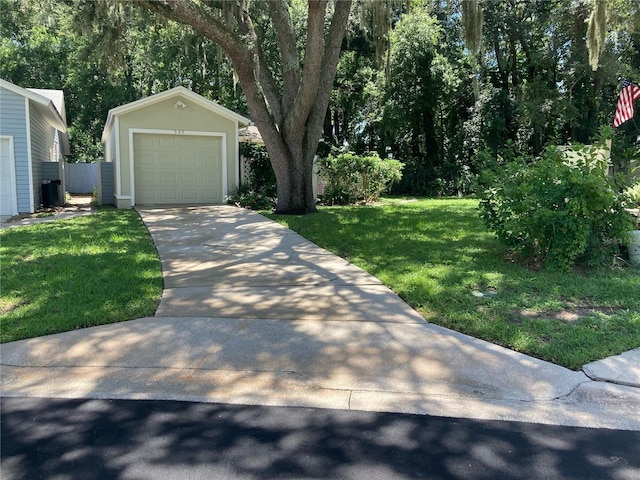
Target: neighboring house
{"points": [[33, 143], [251, 134], [172, 148]]}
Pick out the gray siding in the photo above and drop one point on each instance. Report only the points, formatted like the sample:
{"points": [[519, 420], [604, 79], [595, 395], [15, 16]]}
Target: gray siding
{"points": [[50, 171], [42, 139], [13, 122], [105, 183]]}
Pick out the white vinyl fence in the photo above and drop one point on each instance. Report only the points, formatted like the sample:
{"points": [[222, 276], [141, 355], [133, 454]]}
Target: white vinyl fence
{"points": [[80, 177]]}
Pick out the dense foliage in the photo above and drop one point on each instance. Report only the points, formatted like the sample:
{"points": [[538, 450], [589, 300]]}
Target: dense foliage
{"points": [[447, 114], [407, 85], [633, 192], [557, 209], [47, 44], [353, 178], [259, 174], [258, 189]]}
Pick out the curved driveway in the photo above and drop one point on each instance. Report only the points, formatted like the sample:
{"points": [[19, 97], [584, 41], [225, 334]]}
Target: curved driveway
{"points": [[252, 313]]}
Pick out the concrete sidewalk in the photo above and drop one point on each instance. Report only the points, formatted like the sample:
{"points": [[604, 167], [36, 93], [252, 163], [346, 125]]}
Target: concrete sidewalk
{"points": [[253, 313], [76, 206]]}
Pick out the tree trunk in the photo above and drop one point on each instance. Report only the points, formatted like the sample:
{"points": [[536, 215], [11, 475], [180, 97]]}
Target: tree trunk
{"points": [[295, 191], [293, 176], [289, 114], [430, 140]]}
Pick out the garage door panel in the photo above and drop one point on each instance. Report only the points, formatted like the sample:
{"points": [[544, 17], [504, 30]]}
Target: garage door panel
{"points": [[189, 177], [174, 169], [188, 161], [146, 195], [168, 160], [146, 158], [145, 141], [190, 195], [211, 178], [145, 176], [165, 141], [169, 195], [167, 179]]}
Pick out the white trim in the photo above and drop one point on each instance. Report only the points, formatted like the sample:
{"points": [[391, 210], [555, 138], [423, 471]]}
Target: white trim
{"points": [[237, 156], [189, 133], [25, 93], [117, 162], [132, 180], [224, 160], [13, 210], [121, 198], [27, 116], [56, 117], [214, 107]]}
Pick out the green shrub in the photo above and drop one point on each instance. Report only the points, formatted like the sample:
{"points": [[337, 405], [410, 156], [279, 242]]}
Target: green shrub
{"points": [[258, 190], [244, 196], [633, 192], [351, 178], [260, 174], [557, 209]]}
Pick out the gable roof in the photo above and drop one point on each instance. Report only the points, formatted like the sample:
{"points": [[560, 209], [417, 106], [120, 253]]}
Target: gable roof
{"points": [[251, 134], [167, 94], [57, 98], [43, 104]]}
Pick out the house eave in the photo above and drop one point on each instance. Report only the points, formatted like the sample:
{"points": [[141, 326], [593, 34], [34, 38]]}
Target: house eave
{"points": [[44, 105], [159, 97]]}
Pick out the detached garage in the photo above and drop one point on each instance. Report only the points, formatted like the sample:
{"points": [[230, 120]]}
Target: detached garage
{"points": [[173, 148]]}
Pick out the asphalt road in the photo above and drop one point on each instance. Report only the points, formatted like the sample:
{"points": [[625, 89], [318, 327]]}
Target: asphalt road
{"points": [[128, 439]]}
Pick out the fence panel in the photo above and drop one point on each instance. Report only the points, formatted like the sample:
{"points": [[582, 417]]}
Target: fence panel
{"points": [[81, 177]]}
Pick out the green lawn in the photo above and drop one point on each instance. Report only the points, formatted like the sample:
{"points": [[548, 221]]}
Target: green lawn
{"points": [[437, 255], [70, 274]]}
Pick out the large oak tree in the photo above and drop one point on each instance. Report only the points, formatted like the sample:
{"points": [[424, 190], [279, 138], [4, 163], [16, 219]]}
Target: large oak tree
{"points": [[288, 103]]}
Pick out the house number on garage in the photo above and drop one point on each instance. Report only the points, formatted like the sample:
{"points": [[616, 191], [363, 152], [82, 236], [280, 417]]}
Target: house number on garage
{"points": [[179, 132]]}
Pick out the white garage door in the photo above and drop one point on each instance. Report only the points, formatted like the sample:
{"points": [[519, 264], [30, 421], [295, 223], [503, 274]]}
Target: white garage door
{"points": [[7, 179], [177, 169]]}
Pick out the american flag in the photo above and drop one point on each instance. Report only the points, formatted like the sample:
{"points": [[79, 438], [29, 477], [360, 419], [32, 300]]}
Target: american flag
{"points": [[628, 94]]}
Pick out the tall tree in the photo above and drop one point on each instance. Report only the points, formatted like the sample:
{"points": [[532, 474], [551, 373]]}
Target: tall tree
{"points": [[287, 99]]}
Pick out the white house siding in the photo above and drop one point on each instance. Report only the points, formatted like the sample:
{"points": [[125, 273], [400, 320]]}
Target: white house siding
{"points": [[13, 123]]}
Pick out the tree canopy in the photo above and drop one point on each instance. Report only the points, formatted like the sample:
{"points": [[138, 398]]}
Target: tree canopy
{"points": [[447, 88]]}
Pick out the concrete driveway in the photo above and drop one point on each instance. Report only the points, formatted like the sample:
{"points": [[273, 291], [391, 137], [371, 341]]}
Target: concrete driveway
{"points": [[253, 313]]}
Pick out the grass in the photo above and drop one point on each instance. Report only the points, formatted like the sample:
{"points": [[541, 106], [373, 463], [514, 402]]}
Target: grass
{"points": [[437, 255], [76, 273]]}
